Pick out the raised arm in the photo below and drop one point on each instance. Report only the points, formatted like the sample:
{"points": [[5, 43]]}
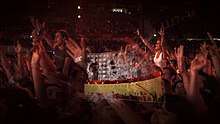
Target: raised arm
{"points": [[146, 42], [215, 56], [40, 32], [36, 74], [216, 62], [180, 58], [163, 44], [20, 68], [45, 61], [74, 50], [66, 66], [47, 37], [195, 82], [4, 65]]}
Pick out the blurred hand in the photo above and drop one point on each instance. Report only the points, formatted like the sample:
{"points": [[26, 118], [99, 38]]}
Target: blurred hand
{"points": [[18, 47], [41, 47], [179, 57], [3, 63], [162, 32], [138, 32], [199, 62], [74, 48], [204, 48], [39, 29], [37, 25], [213, 51], [35, 57], [179, 52]]}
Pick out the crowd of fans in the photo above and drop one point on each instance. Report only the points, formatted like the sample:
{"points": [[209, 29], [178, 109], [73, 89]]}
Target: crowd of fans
{"points": [[47, 81]]}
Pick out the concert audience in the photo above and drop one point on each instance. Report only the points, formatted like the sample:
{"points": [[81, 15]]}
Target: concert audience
{"points": [[48, 83]]}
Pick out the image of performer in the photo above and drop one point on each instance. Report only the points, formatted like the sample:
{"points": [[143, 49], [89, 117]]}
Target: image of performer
{"points": [[94, 67]]}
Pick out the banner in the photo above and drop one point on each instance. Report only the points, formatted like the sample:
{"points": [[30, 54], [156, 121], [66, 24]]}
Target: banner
{"points": [[152, 86]]}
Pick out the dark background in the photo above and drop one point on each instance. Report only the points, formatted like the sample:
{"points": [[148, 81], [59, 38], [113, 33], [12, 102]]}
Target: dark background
{"points": [[16, 13]]}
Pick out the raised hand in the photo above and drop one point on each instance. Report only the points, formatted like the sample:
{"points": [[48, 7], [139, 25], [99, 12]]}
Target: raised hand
{"points": [[35, 58], [214, 51], [83, 42], [37, 25], [199, 62], [215, 57], [39, 29], [179, 52], [18, 47], [138, 32], [2, 60], [204, 48], [162, 31], [212, 41], [41, 47], [73, 48], [179, 57]]}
